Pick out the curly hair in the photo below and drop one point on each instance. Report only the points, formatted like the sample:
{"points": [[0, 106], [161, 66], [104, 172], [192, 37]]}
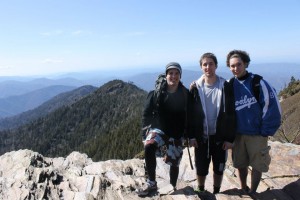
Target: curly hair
{"points": [[243, 55]]}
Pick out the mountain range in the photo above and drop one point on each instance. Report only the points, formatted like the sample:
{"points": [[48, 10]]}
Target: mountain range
{"points": [[14, 105], [277, 74], [88, 118], [21, 96], [58, 101], [19, 86], [109, 115], [103, 123]]}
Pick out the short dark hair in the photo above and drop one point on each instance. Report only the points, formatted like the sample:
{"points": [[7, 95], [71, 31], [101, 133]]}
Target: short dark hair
{"points": [[209, 55], [243, 55]]}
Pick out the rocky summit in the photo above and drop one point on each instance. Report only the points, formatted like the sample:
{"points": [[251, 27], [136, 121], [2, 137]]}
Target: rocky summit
{"points": [[25, 174]]}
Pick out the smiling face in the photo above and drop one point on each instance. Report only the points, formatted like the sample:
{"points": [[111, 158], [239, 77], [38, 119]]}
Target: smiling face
{"points": [[208, 67], [237, 67], [173, 78]]}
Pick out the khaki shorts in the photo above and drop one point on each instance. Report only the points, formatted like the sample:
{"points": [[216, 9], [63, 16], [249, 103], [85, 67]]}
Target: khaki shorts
{"points": [[251, 150]]}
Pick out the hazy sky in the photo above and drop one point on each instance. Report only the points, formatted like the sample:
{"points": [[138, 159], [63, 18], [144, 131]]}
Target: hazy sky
{"points": [[50, 36]]}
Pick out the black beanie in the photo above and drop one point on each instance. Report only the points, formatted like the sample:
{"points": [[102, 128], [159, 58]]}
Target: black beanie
{"points": [[173, 65]]}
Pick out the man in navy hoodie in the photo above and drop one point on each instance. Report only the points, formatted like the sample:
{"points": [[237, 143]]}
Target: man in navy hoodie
{"points": [[257, 118]]}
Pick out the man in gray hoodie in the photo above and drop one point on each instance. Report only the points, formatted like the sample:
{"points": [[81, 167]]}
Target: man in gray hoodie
{"points": [[216, 100]]}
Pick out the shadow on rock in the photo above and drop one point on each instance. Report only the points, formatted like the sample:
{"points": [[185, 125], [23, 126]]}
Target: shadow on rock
{"points": [[187, 191], [206, 196], [235, 192], [293, 189], [151, 195], [289, 192]]}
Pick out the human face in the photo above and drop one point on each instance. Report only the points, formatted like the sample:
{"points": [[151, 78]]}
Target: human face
{"points": [[173, 77], [237, 67], [208, 67]]}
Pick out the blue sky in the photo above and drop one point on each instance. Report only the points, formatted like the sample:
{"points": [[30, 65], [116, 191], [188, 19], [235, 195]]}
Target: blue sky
{"points": [[56, 36]]}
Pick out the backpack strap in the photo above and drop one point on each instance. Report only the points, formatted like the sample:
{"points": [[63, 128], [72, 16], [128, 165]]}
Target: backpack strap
{"points": [[256, 85], [231, 81], [185, 96]]}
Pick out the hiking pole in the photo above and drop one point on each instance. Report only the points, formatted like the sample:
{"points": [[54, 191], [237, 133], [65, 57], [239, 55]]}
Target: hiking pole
{"points": [[188, 149]]}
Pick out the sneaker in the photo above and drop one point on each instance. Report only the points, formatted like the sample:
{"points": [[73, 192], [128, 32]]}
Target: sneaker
{"points": [[150, 186], [216, 190], [253, 195], [203, 194], [246, 190], [199, 191]]}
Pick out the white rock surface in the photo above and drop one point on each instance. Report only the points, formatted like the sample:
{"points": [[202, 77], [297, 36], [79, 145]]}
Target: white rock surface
{"points": [[25, 174]]}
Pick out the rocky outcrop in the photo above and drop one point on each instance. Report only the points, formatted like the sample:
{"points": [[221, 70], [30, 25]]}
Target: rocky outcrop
{"points": [[25, 174]]}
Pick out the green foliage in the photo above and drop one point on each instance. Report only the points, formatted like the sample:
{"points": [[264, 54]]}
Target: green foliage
{"points": [[292, 88], [104, 125], [289, 131]]}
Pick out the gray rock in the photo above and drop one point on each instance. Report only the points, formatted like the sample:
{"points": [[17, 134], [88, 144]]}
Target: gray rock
{"points": [[25, 174]]}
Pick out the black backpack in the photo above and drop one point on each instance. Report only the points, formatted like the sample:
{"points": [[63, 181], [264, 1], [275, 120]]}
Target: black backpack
{"points": [[160, 88], [255, 85]]}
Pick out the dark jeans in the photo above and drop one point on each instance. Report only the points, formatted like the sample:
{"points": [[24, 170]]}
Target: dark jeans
{"points": [[150, 160]]}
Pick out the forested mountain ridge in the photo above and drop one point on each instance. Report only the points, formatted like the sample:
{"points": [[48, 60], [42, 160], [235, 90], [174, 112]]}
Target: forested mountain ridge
{"points": [[289, 131], [62, 99], [17, 104], [105, 125], [291, 89]]}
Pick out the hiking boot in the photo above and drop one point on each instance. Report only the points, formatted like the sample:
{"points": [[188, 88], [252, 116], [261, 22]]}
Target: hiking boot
{"points": [[149, 187]]}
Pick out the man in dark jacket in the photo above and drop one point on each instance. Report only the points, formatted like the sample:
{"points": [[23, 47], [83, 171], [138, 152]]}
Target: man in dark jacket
{"points": [[165, 121], [217, 102]]}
